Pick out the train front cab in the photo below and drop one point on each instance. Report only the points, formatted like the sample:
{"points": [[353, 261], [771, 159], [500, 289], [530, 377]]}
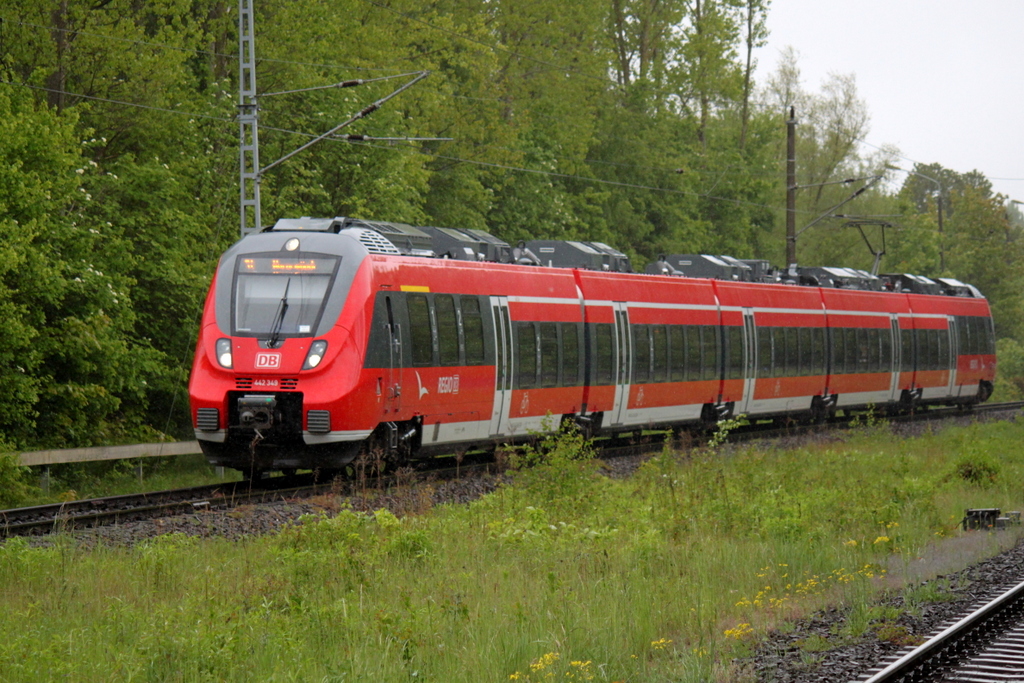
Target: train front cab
{"points": [[279, 328]]}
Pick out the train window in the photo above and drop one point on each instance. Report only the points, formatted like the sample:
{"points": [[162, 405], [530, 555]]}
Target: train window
{"points": [[864, 340], [806, 350], [420, 334], [935, 349], [659, 345], [852, 350], [526, 355], [792, 366], [570, 355], [641, 354], [764, 352], [693, 351], [908, 350], [842, 357], [677, 348], [732, 343], [962, 334], [710, 355], [841, 354], [984, 336], [473, 330], [548, 354], [447, 329], [779, 351], [817, 351], [944, 349], [973, 338], [875, 350], [924, 350], [885, 353], [605, 352]]}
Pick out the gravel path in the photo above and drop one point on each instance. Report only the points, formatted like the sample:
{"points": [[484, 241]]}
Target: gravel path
{"points": [[797, 656]]}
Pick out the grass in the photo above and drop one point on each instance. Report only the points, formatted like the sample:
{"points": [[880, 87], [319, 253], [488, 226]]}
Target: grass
{"points": [[564, 575]]}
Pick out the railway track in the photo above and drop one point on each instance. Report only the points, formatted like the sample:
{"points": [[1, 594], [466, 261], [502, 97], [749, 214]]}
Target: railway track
{"points": [[93, 512], [80, 514], [986, 646]]}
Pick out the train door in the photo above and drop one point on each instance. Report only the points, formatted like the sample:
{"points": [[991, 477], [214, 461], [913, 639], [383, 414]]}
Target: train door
{"points": [[502, 366], [393, 373], [623, 362], [954, 353], [895, 361], [749, 362]]}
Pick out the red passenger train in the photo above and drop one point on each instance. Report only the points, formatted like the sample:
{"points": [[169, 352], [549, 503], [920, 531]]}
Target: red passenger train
{"points": [[321, 337]]}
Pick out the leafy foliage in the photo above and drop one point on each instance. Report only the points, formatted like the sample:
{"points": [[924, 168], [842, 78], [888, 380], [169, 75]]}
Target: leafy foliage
{"points": [[642, 125]]}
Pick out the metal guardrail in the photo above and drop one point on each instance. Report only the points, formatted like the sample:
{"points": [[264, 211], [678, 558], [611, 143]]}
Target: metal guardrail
{"points": [[141, 450]]}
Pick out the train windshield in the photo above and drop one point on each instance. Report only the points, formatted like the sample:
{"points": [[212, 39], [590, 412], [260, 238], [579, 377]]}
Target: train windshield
{"points": [[278, 297]]}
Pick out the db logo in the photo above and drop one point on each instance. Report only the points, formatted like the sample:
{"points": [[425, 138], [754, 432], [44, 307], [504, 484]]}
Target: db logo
{"points": [[268, 361]]}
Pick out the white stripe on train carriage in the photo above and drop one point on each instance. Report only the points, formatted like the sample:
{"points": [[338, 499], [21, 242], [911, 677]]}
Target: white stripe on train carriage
{"points": [[859, 398], [335, 437], [734, 309], [685, 412], [543, 300], [941, 316], [454, 432], [785, 404], [873, 314], [219, 436]]}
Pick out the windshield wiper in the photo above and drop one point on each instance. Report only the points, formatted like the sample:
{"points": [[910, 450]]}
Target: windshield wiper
{"points": [[282, 308]]}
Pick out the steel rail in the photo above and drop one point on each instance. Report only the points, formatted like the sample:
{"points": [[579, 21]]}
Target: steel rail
{"points": [[947, 649]]}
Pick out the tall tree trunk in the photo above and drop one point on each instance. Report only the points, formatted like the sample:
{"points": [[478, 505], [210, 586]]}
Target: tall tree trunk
{"points": [[57, 80], [621, 41], [705, 103], [745, 115]]}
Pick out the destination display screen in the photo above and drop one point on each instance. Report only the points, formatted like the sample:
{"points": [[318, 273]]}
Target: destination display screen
{"points": [[263, 265]]}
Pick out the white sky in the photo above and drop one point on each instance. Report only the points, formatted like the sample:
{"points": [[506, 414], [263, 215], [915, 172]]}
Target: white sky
{"points": [[943, 79]]}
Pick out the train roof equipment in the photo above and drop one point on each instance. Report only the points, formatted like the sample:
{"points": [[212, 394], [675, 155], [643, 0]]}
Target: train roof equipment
{"points": [[839, 278], [911, 284], [575, 254], [467, 244], [702, 265], [951, 287]]}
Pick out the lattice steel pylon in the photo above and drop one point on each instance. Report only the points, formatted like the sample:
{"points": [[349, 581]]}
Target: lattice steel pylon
{"points": [[248, 130]]}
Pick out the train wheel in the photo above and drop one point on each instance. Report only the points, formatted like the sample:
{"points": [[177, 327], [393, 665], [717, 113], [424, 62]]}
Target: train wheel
{"points": [[253, 474]]}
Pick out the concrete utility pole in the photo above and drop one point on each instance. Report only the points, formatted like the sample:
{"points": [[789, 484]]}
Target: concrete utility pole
{"points": [[791, 187]]}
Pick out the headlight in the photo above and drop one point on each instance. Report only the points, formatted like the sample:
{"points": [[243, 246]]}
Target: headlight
{"points": [[224, 352], [316, 354]]}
